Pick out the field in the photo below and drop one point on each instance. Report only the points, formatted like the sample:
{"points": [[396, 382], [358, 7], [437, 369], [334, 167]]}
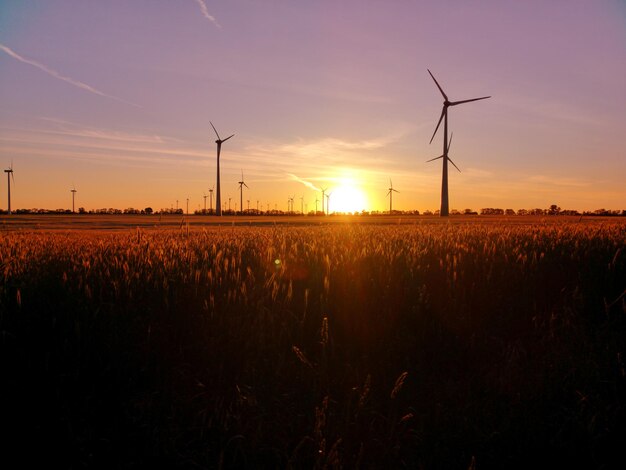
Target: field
{"points": [[365, 342]]}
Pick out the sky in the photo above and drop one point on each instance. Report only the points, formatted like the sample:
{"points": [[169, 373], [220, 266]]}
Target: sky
{"points": [[115, 99]]}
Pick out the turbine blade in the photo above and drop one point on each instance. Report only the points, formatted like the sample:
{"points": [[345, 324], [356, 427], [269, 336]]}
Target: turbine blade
{"points": [[443, 112], [388, 192], [436, 158], [218, 136], [450, 160], [227, 138], [395, 191], [246, 185], [450, 141], [436, 83], [454, 103]]}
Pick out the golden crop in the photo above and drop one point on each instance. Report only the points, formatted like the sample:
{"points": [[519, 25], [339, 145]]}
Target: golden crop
{"points": [[332, 345]]}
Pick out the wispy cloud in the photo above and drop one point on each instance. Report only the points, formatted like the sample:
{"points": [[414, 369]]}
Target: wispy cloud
{"points": [[308, 184], [67, 128], [57, 75], [206, 14], [557, 181]]}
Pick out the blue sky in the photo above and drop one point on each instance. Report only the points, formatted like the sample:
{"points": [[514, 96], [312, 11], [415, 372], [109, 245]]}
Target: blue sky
{"points": [[116, 97]]}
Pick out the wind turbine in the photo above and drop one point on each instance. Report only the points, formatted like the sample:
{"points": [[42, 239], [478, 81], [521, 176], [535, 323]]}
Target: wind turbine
{"points": [[323, 191], [302, 205], [73, 191], [211, 199], [218, 196], [445, 155], [328, 203], [390, 194], [204, 196], [290, 203], [10, 177], [241, 185], [444, 116]]}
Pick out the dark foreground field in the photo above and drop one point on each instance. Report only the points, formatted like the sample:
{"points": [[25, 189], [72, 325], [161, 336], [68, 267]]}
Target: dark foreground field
{"points": [[405, 345]]}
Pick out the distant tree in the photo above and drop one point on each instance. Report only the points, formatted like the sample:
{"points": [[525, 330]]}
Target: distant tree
{"points": [[554, 210], [522, 212], [81, 210], [509, 212], [148, 210]]}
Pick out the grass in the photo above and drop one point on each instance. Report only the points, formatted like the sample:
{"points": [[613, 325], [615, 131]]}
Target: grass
{"points": [[426, 345]]}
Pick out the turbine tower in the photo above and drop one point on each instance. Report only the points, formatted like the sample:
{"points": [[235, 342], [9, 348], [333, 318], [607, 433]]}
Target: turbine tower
{"points": [[241, 185], [323, 191], [10, 177], [211, 199], [444, 116], [73, 191], [218, 196], [390, 194]]}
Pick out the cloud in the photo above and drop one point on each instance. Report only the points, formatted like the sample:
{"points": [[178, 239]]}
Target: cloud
{"points": [[557, 181], [75, 130], [206, 14], [58, 76], [308, 184]]}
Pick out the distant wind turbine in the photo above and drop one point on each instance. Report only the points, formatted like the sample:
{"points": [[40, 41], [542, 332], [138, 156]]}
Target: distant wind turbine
{"points": [[323, 191], [218, 196], [73, 191], [211, 199], [290, 203], [445, 155], [204, 196], [328, 203], [302, 204], [241, 185], [390, 194], [10, 177], [444, 116]]}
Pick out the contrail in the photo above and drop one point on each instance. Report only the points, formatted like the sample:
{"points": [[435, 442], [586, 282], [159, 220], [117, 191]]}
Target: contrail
{"points": [[206, 14], [58, 76], [308, 184]]}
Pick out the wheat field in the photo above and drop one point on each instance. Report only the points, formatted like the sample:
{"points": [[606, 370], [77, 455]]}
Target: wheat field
{"points": [[344, 346]]}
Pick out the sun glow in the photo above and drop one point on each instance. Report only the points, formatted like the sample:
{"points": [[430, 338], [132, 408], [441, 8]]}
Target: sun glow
{"points": [[347, 198]]}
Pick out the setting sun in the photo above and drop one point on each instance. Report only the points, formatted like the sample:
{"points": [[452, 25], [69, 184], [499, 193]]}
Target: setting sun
{"points": [[347, 198]]}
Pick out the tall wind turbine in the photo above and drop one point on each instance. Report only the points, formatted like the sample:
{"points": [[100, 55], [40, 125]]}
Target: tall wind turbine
{"points": [[204, 196], [73, 191], [241, 185], [444, 116], [10, 177], [218, 196], [390, 194], [328, 203]]}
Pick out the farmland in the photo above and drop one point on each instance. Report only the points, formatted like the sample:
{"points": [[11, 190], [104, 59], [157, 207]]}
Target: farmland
{"points": [[301, 343]]}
